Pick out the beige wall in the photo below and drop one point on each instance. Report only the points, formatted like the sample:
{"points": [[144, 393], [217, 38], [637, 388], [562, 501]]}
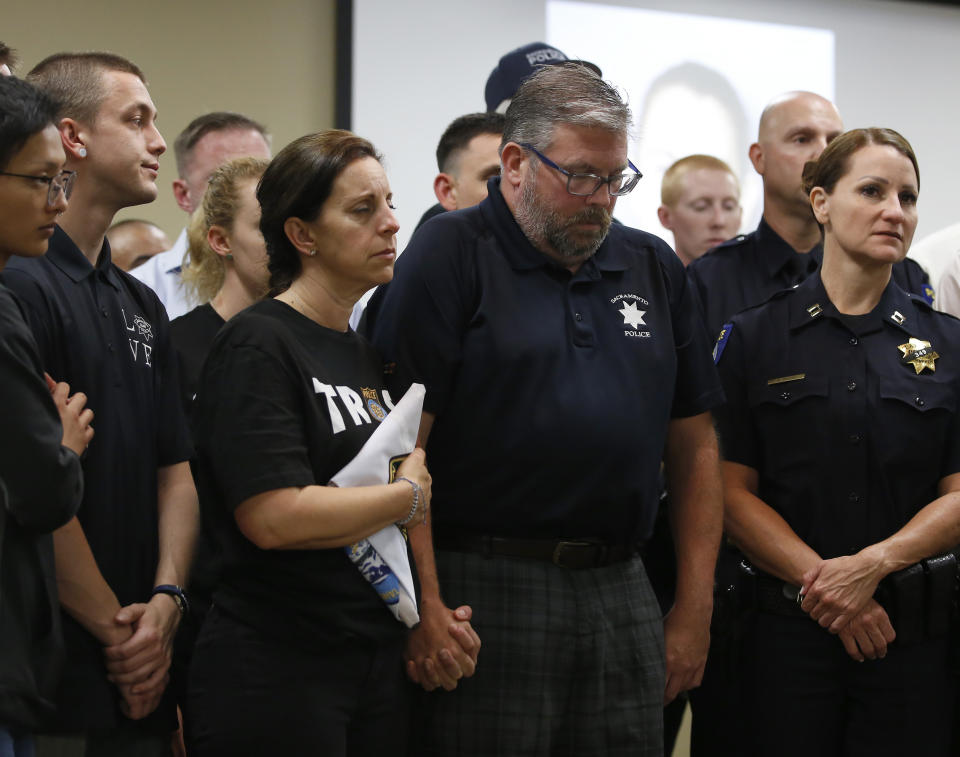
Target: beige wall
{"points": [[273, 61]]}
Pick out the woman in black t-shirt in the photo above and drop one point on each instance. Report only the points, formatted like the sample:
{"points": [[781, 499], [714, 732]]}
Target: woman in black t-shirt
{"points": [[299, 654], [841, 434], [227, 271]]}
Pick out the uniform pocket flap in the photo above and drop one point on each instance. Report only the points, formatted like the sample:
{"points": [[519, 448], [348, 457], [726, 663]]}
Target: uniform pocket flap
{"points": [[922, 396], [787, 390]]}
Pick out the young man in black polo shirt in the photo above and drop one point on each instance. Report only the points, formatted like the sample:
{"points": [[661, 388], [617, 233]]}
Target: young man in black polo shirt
{"points": [[121, 561], [563, 359]]}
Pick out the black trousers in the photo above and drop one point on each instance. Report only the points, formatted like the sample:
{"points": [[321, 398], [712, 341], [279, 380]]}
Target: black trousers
{"points": [[252, 695], [808, 697]]}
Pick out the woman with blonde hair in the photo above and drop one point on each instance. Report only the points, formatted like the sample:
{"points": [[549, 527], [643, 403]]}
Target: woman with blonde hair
{"points": [[227, 271]]}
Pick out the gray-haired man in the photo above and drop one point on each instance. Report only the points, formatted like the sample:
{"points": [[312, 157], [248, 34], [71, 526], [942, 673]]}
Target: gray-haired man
{"points": [[563, 359]]}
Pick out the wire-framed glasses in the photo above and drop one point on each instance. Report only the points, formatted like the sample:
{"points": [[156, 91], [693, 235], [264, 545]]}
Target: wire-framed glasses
{"points": [[585, 184], [62, 182]]}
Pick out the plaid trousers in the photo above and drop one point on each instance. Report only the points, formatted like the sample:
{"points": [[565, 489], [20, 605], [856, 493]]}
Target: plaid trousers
{"points": [[572, 663]]}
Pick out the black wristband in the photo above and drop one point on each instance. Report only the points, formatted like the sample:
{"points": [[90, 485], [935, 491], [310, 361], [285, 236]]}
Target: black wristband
{"points": [[178, 596]]}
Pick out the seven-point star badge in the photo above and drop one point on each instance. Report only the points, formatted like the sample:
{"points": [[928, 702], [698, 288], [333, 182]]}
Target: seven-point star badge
{"points": [[633, 316], [919, 354]]}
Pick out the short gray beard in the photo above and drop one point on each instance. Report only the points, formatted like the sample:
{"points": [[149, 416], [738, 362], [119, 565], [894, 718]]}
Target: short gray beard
{"points": [[546, 227]]}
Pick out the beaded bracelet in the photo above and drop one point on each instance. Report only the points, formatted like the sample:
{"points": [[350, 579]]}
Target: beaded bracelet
{"points": [[417, 495]]}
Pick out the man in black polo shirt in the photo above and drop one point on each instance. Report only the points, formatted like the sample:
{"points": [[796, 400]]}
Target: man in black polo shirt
{"points": [[785, 248], [121, 561], [467, 156], [561, 356]]}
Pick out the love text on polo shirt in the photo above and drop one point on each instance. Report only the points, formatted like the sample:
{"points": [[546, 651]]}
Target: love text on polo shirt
{"points": [[140, 333]]}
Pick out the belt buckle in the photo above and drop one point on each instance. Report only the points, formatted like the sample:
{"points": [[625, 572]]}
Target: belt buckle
{"points": [[562, 546]]}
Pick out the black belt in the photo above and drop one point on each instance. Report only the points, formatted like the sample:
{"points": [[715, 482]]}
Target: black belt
{"points": [[575, 554]]}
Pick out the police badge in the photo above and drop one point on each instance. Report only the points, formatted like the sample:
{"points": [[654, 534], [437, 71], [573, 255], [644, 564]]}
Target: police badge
{"points": [[919, 354]]}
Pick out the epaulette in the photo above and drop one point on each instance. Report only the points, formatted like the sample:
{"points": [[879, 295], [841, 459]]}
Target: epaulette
{"points": [[921, 300], [778, 295], [719, 252], [734, 242]]}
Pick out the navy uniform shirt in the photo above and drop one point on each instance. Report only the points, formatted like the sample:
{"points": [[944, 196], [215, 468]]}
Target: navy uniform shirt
{"points": [[848, 438], [751, 268], [107, 335], [553, 391]]}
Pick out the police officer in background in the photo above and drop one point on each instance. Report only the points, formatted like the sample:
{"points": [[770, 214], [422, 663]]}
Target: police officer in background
{"points": [[841, 435], [785, 248]]}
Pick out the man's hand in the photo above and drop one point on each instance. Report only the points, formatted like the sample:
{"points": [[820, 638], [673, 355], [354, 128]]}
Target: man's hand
{"points": [[142, 662], [869, 633], [686, 640], [837, 590], [443, 648], [138, 706]]}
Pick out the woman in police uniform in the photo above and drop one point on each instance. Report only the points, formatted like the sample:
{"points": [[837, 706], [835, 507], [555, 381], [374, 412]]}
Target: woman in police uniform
{"points": [[842, 477]]}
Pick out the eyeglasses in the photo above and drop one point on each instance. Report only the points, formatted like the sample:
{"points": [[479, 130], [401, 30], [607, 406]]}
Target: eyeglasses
{"points": [[62, 182], [585, 184]]}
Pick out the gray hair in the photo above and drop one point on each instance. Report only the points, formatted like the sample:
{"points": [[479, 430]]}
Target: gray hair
{"points": [[563, 94]]}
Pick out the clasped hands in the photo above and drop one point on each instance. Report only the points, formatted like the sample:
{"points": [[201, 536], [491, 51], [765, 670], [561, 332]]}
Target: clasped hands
{"points": [[139, 665], [838, 594], [443, 648]]}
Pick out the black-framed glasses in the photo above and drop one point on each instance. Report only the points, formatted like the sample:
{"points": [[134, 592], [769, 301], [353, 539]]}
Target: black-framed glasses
{"points": [[585, 184], [62, 182]]}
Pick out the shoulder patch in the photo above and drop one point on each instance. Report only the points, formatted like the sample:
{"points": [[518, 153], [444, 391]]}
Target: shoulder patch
{"points": [[928, 295], [721, 342]]}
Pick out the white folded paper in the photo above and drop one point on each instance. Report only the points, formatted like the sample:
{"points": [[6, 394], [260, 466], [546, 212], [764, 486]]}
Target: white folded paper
{"points": [[382, 557]]}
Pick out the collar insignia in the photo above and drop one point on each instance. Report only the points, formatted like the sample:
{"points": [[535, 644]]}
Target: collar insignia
{"points": [[814, 310], [919, 354]]}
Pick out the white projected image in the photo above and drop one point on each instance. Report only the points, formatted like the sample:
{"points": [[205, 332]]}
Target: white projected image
{"points": [[696, 84]]}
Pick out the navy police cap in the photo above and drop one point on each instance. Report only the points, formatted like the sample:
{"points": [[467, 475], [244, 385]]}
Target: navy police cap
{"points": [[517, 65]]}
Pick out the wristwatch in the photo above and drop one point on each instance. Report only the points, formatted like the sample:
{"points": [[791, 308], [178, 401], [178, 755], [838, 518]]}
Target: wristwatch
{"points": [[178, 596]]}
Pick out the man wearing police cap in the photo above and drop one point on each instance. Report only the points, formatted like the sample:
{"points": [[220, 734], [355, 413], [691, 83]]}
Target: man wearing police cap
{"points": [[517, 66]]}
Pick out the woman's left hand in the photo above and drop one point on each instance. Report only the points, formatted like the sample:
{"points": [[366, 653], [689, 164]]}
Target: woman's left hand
{"points": [[836, 590]]}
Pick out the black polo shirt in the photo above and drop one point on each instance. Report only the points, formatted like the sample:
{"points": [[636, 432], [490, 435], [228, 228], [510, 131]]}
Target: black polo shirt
{"points": [[749, 269], [849, 440], [552, 390], [107, 335]]}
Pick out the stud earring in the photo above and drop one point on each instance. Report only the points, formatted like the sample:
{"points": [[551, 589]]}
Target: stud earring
{"points": [[312, 253], [229, 256], [82, 152]]}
